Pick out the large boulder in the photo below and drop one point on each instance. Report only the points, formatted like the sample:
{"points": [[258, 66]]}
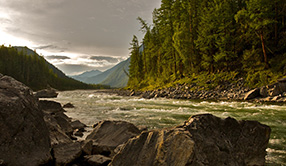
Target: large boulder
{"points": [[51, 107], [110, 134], [202, 140], [58, 123], [282, 84], [56, 133], [163, 147], [252, 94], [97, 160], [24, 136], [46, 93], [66, 154]]}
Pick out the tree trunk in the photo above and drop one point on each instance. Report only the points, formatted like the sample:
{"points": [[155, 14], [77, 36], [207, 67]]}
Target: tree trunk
{"points": [[264, 52], [276, 23]]}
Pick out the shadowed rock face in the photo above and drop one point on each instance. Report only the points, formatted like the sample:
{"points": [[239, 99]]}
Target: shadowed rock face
{"points": [[202, 140], [112, 133], [227, 141], [24, 136]]}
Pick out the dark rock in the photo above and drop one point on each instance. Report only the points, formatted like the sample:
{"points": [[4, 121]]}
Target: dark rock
{"points": [[101, 149], [50, 107], [143, 128], [46, 93], [86, 147], [113, 133], [69, 105], [65, 154], [263, 92], [164, 147], [78, 133], [118, 148], [275, 91], [202, 140], [252, 94], [282, 85], [282, 80], [57, 135], [97, 160], [24, 136], [64, 124], [77, 125], [58, 122], [227, 141]]}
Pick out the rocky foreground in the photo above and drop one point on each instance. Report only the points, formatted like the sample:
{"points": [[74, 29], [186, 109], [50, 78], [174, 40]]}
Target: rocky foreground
{"points": [[34, 132], [226, 91]]}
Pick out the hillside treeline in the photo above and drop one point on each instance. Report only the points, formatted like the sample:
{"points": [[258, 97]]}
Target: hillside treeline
{"points": [[187, 38], [33, 71]]}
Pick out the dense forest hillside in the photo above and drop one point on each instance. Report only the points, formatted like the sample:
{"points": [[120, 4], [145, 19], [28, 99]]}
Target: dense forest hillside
{"points": [[30, 52], [34, 71], [210, 39]]}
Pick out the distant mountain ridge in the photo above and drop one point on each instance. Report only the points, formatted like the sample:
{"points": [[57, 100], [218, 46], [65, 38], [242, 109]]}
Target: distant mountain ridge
{"points": [[116, 77], [82, 77]]}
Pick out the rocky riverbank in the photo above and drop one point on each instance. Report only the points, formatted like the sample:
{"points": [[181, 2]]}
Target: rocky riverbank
{"points": [[37, 132], [225, 91]]}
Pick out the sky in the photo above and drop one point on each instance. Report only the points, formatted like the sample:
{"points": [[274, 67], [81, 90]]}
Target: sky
{"points": [[75, 35]]}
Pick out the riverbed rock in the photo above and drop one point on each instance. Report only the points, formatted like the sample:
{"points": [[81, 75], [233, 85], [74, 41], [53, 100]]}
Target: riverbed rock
{"points": [[56, 133], [86, 147], [263, 91], [97, 160], [46, 93], [78, 125], [252, 94], [58, 123], [51, 107], [112, 133], [69, 105], [67, 153], [282, 84], [24, 138], [202, 140]]}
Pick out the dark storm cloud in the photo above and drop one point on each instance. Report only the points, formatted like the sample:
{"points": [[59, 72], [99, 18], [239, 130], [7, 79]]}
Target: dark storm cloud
{"points": [[101, 26], [58, 57], [47, 47]]}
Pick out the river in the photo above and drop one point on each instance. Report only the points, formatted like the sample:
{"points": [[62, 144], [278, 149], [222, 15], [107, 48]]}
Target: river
{"points": [[93, 106]]}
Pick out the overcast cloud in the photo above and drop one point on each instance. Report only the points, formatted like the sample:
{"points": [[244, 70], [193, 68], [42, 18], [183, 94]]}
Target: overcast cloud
{"points": [[86, 31]]}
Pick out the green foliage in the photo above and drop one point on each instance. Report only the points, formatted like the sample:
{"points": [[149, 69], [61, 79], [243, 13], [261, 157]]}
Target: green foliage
{"points": [[32, 70], [213, 38], [261, 78]]}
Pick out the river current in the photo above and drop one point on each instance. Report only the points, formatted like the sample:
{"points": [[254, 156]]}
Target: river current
{"points": [[92, 106]]}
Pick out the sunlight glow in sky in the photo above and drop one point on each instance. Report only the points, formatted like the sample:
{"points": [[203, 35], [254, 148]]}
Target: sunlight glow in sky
{"points": [[75, 36]]}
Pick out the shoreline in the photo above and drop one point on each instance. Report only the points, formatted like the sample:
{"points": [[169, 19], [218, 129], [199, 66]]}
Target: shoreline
{"points": [[231, 93]]}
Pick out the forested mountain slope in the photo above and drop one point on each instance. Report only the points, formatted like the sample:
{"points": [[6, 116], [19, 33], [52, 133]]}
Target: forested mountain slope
{"points": [[33, 70], [205, 38], [28, 51]]}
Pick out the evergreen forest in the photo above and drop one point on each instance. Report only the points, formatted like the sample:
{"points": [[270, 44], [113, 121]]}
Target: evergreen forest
{"points": [[210, 39], [33, 71]]}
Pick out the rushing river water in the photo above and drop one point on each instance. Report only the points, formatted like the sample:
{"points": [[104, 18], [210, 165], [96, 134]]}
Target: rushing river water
{"points": [[94, 106]]}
